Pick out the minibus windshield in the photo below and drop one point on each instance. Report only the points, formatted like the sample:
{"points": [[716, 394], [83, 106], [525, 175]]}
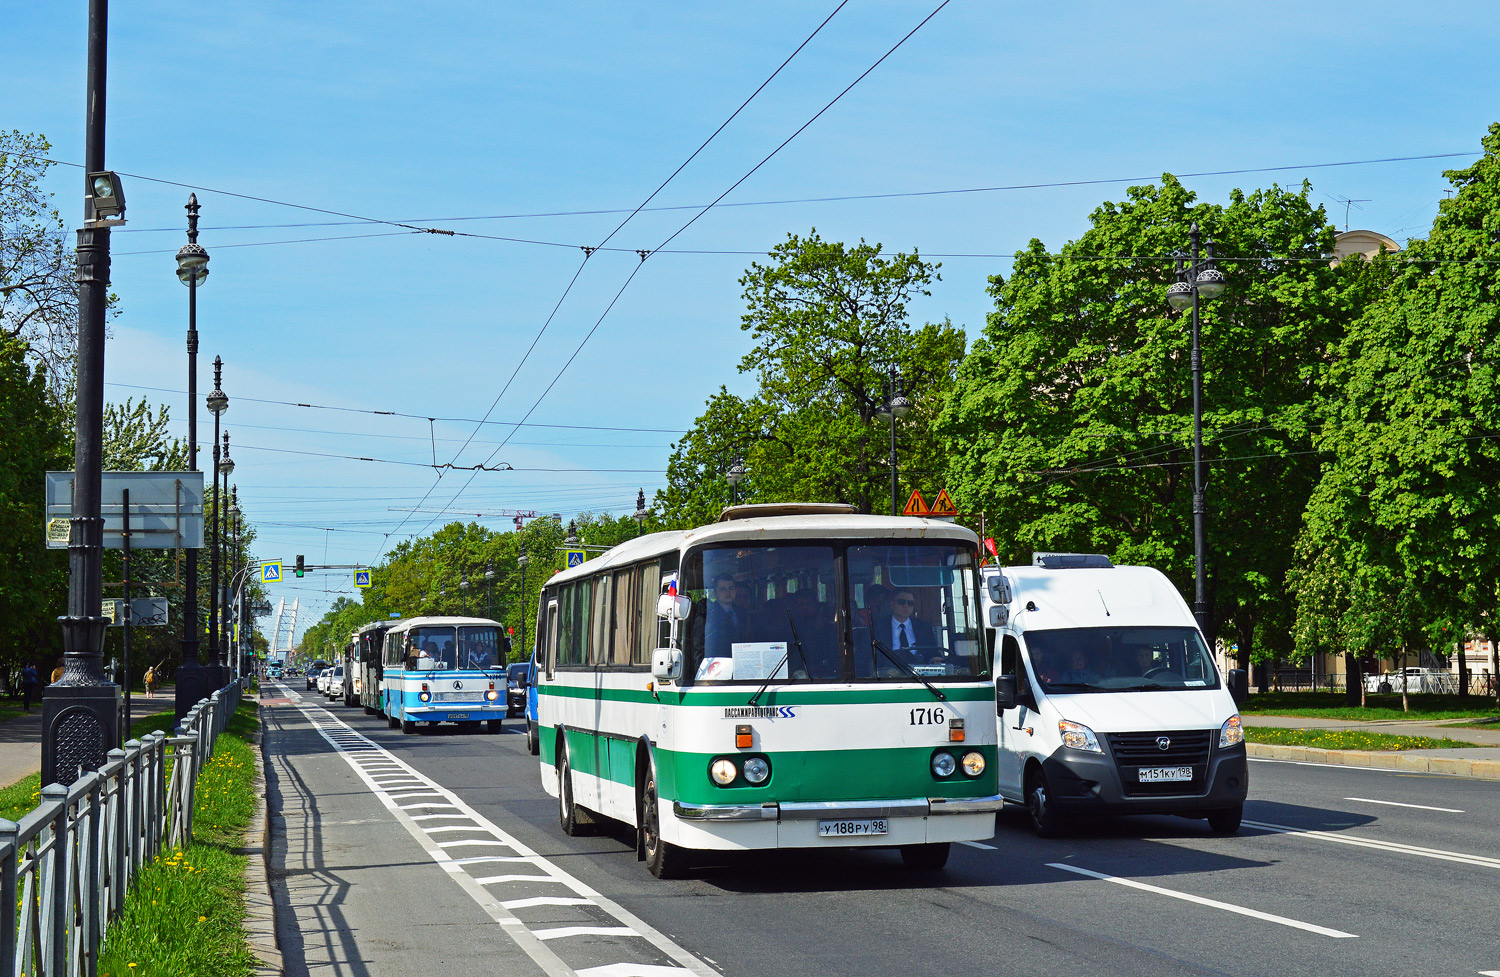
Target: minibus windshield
{"points": [[1148, 659], [819, 612]]}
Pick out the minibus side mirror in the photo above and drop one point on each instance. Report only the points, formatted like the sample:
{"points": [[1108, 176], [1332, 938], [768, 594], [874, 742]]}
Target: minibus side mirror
{"points": [[999, 615], [1005, 693], [999, 589], [1239, 687], [666, 665], [673, 607]]}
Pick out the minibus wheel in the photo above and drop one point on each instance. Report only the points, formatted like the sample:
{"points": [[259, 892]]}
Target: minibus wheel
{"points": [[925, 858], [1048, 821], [533, 741], [665, 860], [575, 820], [1226, 821]]}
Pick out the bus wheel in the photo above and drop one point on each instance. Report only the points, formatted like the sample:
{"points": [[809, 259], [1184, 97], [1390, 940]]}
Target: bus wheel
{"points": [[925, 858], [369, 710], [533, 741], [493, 725], [392, 721], [408, 726], [575, 820], [665, 860]]}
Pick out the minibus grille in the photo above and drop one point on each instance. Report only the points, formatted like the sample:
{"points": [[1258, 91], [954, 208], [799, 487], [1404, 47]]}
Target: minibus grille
{"points": [[1185, 748]]}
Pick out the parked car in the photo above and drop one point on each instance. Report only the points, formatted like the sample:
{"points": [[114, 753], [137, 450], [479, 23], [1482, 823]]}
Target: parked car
{"points": [[1417, 680], [313, 671], [335, 687], [516, 684]]}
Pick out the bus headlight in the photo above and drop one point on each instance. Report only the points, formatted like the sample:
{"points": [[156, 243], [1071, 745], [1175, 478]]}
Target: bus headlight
{"points": [[425, 696], [973, 764], [1077, 736], [492, 695], [723, 772], [757, 770], [943, 765], [1232, 733]]}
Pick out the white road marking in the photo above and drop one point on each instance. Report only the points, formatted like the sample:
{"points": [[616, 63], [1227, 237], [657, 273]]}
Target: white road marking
{"points": [[1482, 861], [430, 817], [1482, 973], [493, 879], [358, 750], [1419, 807], [975, 844], [1345, 766], [449, 827], [565, 931], [1212, 903]]}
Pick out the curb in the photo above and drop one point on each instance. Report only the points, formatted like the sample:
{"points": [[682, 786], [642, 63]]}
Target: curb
{"points": [[1450, 766], [260, 908]]}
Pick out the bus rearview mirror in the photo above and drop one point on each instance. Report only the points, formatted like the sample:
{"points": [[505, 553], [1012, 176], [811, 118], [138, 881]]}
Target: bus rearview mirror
{"points": [[673, 607], [999, 615], [666, 664]]}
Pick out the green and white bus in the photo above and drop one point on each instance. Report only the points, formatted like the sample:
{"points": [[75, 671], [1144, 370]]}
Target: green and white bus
{"points": [[792, 676]]}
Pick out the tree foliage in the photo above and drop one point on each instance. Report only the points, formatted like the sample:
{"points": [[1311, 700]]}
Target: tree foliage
{"points": [[1403, 530], [828, 321], [1071, 422]]}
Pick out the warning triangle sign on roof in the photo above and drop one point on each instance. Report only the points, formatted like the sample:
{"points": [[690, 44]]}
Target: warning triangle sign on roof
{"points": [[943, 505], [916, 505]]}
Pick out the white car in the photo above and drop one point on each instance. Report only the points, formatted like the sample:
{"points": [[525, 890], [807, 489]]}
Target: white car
{"points": [[323, 679], [1417, 680], [335, 689]]}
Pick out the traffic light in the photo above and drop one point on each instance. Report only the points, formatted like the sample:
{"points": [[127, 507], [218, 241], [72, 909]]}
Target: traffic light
{"points": [[300, 567]]}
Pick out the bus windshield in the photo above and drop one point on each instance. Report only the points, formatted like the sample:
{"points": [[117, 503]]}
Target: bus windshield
{"points": [[444, 647], [825, 613], [1070, 660]]}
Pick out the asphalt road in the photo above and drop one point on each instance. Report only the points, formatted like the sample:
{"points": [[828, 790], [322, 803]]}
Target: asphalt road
{"points": [[1338, 870]]}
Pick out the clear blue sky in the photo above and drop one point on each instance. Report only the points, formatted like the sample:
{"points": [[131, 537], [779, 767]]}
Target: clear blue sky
{"points": [[417, 112]]}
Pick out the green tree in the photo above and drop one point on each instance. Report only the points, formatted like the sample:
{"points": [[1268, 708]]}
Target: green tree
{"points": [[1406, 516], [828, 321], [33, 579], [1071, 422]]}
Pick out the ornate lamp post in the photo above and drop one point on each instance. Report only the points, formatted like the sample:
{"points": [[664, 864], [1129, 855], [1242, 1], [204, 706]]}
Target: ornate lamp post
{"points": [[192, 269], [217, 403], [463, 589], [734, 476], [236, 601], [521, 562], [489, 589], [1197, 278], [81, 714], [221, 648], [894, 408], [640, 511]]}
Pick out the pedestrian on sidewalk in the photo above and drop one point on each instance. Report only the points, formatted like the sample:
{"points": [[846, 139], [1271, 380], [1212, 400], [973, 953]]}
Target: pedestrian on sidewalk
{"points": [[28, 684], [150, 680], [57, 672]]}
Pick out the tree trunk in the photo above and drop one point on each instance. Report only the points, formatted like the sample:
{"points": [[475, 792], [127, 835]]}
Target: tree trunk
{"points": [[1463, 669], [1354, 680], [1405, 705], [1495, 665]]}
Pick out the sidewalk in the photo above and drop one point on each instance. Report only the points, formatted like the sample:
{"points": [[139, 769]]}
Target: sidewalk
{"points": [[21, 737], [1481, 761]]}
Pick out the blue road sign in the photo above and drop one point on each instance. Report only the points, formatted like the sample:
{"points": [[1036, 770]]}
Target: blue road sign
{"points": [[361, 578], [576, 557], [270, 572]]}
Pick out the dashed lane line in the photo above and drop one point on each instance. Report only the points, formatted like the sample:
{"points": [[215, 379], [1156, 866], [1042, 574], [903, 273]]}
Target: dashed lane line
{"points": [[1211, 903], [1419, 807], [375, 765]]}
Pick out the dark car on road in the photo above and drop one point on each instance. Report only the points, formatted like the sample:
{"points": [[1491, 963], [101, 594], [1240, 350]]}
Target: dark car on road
{"points": [[313, 671], [515, 688]]}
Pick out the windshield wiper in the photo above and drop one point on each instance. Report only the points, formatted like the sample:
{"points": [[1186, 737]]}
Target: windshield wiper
{"points": [[1070, 686], [875, 643], [796, 643]]}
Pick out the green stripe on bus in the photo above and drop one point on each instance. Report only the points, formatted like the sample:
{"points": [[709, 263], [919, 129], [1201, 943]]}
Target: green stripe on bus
{"points": [[772, 697], [812, 775]]}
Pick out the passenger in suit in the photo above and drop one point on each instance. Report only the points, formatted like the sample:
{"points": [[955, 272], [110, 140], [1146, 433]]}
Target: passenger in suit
{"points": [[911, 640], [725, 623]]}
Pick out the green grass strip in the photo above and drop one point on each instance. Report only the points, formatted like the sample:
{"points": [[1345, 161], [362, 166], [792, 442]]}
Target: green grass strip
{"points": [[1331, 705], [1346, 739], [25, 794], [186, 914]]}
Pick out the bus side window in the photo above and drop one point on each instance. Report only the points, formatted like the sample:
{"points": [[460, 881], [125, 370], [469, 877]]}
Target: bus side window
{"points": [[598, 643], [648, 589], [551, 637], [623, 623]]}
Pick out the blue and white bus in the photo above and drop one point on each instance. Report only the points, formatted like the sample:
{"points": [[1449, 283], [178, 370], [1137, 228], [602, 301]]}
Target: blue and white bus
{"points": [[443, 670]]}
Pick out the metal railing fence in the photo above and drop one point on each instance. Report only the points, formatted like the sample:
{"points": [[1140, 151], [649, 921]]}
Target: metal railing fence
{"points": [[66, 867]]}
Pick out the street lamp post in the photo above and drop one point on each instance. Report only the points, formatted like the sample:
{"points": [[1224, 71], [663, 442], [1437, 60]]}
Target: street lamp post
{"points": [[236, 604], [192, 268], [1197, 277], [81, 714], [221, 594], [894, 408], [734, 476], [463, 589], [640, 511], [217, 403], [521, 562], [489, 589]]}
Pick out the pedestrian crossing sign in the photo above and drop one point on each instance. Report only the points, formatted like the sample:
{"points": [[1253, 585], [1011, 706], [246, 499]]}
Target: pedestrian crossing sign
{"points": [[576, 558], [361, 578], [270, 572]]}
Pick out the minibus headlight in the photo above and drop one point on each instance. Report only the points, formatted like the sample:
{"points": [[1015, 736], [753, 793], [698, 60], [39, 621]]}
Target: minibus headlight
{"points": [[943, 765], [757, 770], [724, 772], [973, 764], [1232, 733], [1077, 736]]}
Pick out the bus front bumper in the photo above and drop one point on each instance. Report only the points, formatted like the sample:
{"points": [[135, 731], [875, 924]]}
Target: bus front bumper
{"points": [[917, 807]]}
